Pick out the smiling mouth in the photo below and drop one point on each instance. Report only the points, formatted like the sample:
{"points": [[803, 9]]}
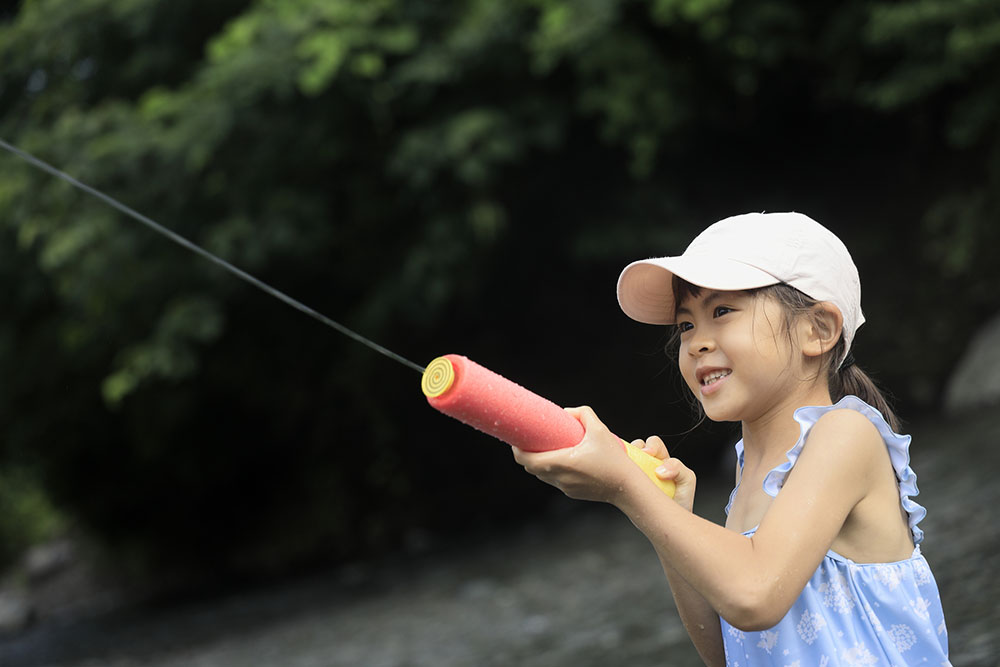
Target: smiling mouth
{"points": [[714, 377]]}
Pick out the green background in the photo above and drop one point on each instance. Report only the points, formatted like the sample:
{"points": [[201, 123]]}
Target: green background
{"points": [[464, 177]]}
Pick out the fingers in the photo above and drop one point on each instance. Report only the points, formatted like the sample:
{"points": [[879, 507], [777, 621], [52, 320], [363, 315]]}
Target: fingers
{"points": [[684, 481], [537, 463], [673, 469], [586, 416], [669, 469], [655, 447], [523, 457]]}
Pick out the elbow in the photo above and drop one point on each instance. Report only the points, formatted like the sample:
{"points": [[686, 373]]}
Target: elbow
{"points": [[751, 623], [755, 608]]}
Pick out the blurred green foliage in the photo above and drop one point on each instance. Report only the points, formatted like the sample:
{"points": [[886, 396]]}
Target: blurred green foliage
{"points": [[442, 176], [28, 515]]}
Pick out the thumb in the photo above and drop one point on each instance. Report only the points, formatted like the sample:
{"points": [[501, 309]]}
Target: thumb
{"points": [[588, 418], [683, 478], [673, 469], [654, 447]]}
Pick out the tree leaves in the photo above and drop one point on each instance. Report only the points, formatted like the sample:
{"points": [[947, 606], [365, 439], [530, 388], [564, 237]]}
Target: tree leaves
{"points": [[435, 174]]}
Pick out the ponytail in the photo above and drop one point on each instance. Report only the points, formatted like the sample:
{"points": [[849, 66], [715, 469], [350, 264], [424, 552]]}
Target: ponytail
{"points": [[848, 379], [844, 378]]}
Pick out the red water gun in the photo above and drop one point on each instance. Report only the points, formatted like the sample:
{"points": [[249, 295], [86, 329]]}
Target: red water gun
{"points": [[461, 388]]}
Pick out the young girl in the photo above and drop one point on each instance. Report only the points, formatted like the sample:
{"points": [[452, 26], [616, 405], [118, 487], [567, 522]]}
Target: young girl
{"points": [[819, 562]]}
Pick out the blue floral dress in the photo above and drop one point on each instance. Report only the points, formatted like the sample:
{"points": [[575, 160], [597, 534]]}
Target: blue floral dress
{"points": [[852, 614]]}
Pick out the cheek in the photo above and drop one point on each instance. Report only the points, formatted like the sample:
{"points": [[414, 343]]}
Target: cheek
{"points": [[687, 367]]}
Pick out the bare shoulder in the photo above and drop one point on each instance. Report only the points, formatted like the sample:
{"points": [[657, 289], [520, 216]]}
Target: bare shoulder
{"points": [[841, 461], [846, 434], [850, 422]]}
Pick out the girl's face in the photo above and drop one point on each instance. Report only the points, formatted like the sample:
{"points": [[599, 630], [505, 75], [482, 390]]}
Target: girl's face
{"points": [[735, 354]]}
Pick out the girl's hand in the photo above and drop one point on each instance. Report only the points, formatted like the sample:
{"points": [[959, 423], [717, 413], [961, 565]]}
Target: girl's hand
{"points": [[595, 469], [672, 469]]}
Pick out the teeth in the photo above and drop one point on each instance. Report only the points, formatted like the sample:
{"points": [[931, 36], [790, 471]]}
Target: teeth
{"points": [[714, 377]]}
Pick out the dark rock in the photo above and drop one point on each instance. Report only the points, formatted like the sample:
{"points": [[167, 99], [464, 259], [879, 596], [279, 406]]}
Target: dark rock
{"points": [[975, 382], [16, 613], [45, 560]]}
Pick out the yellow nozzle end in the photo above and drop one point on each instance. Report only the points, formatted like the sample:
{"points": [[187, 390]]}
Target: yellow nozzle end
{"points": [[438, 378]]}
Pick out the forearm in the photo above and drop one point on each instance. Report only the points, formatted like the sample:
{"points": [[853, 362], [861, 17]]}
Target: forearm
{"points": [[713, 568], [700, 620]]}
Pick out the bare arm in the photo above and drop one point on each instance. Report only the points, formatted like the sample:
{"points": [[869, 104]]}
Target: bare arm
{"points": [[751, 582], [699, 618]]}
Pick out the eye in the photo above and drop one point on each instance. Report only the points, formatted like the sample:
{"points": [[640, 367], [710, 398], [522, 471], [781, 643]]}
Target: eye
{"points": [[721, 310], [684, 326]]}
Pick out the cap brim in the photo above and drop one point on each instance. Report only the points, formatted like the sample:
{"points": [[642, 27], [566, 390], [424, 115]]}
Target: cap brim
{"points": [[645, 288]]}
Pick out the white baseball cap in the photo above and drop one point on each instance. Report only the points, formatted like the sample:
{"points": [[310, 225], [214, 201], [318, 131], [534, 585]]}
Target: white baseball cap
{"points": [[746, 252]]}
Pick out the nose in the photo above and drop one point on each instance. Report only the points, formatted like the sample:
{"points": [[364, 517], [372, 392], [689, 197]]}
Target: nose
{"points": [[700, 345]]}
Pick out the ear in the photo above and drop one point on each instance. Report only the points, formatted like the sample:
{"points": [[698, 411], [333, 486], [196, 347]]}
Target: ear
{"points": [[821, 330]]}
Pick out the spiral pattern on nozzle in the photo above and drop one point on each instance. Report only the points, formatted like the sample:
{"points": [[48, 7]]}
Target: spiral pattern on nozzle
{"points": [[438, 377]]}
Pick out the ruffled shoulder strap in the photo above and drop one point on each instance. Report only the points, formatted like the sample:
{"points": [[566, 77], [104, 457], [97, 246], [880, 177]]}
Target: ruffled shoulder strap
{"points": [[739, 467], [899, 453]]}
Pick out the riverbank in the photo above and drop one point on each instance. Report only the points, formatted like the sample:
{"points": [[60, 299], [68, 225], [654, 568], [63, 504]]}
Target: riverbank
{"points": [[578, 586]]}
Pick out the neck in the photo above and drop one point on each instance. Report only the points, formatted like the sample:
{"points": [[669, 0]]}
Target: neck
{"points": [[773, 433]]}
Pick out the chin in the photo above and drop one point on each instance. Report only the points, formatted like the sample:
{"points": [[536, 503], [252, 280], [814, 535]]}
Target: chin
{"points": [[719, 413], [719, 419]]}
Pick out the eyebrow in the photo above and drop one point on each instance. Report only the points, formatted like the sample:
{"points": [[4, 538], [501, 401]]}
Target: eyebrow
{"points": [[710, 298]]}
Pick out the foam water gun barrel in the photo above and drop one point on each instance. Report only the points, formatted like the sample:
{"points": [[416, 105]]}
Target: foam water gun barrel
{"points": [[478, 397]]}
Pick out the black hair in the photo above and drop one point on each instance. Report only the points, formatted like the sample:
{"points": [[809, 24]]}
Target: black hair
{"points": [[843, 379]]}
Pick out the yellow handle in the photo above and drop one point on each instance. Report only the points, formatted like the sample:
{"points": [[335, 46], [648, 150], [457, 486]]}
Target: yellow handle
{"points": [[649, 464]]}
